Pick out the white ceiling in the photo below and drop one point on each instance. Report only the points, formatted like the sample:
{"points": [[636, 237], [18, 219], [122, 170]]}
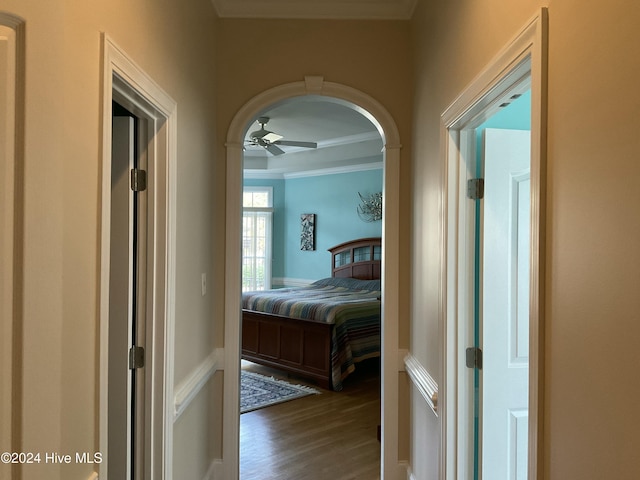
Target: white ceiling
{"points": [[347, 140], [318, 9]]}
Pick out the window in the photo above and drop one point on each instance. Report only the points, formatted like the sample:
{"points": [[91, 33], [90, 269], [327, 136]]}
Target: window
{"points": [[257, 211]]}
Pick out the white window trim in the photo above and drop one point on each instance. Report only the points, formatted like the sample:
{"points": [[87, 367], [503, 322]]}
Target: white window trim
{"points": [[268, 280], [257, 189]]}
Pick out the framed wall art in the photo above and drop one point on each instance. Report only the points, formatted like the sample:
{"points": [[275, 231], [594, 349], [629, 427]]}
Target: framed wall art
{"points": [[308, 231]]}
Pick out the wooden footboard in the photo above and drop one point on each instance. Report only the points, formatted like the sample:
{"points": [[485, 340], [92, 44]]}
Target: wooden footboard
{"points": [[296, 346]]}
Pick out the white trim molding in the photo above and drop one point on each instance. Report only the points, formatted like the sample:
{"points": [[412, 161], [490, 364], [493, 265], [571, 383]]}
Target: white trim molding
{"points": [[276, 175], [312, 9], [410, 475], [12, 107], [423, 381], [124, 81], [215, 470], [190, 387], [363, 167]]}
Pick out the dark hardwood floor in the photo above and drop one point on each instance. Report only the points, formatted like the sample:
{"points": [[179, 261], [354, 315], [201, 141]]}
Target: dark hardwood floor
{"points": [[331, 436]]}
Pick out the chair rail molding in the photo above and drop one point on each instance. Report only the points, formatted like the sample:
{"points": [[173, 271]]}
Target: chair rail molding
{"points": [[423, 381], [190, 387]]}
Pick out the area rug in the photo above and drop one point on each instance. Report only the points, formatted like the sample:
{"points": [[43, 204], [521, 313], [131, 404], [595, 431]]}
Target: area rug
{"points": [[258, 391]]}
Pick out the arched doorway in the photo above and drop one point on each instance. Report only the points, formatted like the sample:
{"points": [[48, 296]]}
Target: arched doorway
{"points": [[379, 116]]}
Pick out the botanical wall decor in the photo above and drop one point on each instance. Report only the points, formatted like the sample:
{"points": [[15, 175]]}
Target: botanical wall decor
{"points": [[308, 234], [370, 208]]}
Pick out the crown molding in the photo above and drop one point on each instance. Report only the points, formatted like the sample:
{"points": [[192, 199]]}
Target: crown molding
{"points": [[313, 9], [267, 175], [335, 170]]}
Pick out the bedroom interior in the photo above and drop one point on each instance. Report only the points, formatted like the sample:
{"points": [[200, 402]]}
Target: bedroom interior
{"points": [[331, 179], [334, 201], [320, 331]]}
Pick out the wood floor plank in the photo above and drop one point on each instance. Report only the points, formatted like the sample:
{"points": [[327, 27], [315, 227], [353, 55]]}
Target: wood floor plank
{"points": [[328, 436]]}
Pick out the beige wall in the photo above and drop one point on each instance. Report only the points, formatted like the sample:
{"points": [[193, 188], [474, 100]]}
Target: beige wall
{"points": [[593, 302], [176, 47], [593, 226]]}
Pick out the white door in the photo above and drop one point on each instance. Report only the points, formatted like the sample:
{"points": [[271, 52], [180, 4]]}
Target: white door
{"points": [[126, 310], [505, 305]]}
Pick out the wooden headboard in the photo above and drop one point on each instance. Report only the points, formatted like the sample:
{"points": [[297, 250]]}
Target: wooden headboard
{"points": [[359, 259]]}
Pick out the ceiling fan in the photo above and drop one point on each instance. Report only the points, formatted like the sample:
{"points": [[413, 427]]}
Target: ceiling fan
{"points": [[270, 140]]}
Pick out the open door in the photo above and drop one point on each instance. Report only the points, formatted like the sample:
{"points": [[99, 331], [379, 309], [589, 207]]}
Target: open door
{"points": [[504, 318], [127, 303]]}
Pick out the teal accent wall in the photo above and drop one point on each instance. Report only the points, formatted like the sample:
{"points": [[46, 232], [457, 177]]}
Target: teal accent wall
{"points": [[334, 200], [516, 116]]}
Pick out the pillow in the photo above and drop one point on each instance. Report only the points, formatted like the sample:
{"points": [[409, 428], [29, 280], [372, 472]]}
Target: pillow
{"points": [[350, 283]]}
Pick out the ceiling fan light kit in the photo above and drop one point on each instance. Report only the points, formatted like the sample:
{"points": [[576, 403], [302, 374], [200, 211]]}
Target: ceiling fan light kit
{"points": [[272, 137], [270, 140]]}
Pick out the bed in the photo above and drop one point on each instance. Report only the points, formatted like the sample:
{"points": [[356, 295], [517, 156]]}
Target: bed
{"points": [[322, 330]]}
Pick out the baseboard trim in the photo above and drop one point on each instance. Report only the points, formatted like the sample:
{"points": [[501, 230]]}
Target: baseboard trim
{"points": [[423, 381], [190, 387], [410, 475], [215, 470]]}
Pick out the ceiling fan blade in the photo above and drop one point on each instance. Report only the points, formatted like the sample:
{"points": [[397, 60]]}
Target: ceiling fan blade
{"points": [[293, 143], [273, 149]]}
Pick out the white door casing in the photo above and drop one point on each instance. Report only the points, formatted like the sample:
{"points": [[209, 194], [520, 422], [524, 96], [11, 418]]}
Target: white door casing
{"points": [[124, 82], [505, 304], [12, 82], [521, 63]]}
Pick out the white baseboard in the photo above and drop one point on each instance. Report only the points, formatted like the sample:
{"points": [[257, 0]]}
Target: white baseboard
{"points": [[215, 470], [410, 475]]}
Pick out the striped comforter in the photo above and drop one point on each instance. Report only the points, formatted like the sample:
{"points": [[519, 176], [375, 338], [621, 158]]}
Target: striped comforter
{"points": [[351, 305]]}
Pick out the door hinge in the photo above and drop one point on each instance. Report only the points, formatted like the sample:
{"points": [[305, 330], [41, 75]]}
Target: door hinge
{"points": [[138, 180], [475, 188], [136, 357], [474, 358]]}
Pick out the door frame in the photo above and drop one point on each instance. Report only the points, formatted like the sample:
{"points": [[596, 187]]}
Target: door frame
{"points": [[12, 33], [380, 117], [523, 59], [124, 82]]}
